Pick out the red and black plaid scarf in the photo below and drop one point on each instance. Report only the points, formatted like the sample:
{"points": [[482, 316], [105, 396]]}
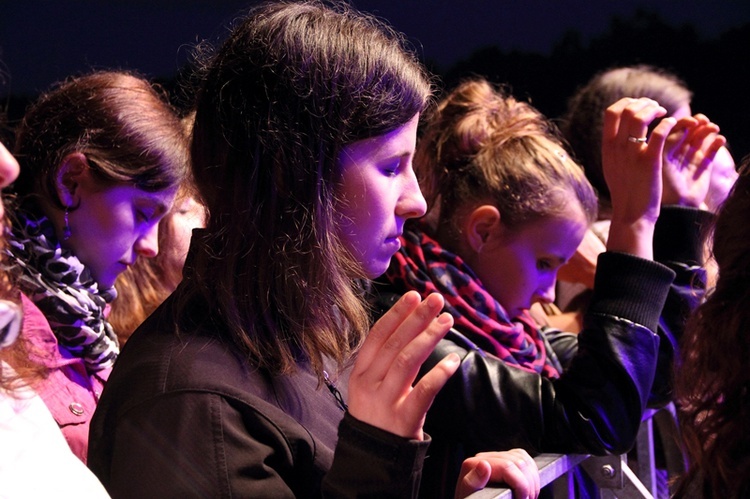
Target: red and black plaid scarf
{"points": [[423, 265]]}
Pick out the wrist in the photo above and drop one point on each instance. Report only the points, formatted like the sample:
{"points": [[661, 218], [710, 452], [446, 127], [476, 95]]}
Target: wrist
{"points": [[632, 237]]}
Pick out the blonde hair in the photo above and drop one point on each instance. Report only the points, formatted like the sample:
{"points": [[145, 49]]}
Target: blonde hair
{"points": [[484, 146]]}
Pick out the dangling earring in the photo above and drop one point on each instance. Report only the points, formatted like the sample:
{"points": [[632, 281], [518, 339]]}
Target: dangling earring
{"points": [[66, 227]]}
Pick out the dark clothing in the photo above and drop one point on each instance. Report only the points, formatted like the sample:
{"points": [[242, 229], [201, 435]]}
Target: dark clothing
{"points": [[183, 415], [597, 404]]}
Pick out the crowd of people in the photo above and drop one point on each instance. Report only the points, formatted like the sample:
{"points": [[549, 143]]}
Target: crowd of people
{"points": [[328, 277]]}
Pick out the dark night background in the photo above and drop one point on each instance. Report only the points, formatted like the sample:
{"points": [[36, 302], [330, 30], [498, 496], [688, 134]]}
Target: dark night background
{"points": [[543, 49]]}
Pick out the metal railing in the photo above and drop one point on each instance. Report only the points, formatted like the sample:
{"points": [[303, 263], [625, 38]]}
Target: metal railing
{"points": [[611, 474]]}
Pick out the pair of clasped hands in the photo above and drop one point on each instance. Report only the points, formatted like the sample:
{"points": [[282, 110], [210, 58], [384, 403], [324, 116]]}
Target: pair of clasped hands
{"points": [[688, 147], [381, 388]]}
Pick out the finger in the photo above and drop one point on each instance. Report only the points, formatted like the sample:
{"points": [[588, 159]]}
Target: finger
{"points": [[384, 328], [514, 467], [709, 149], [475, 474], [679, 133], [612, 118], [632, 119], [528, 467], [659, 136], [509, 473], [716, 144], [401, 349]]}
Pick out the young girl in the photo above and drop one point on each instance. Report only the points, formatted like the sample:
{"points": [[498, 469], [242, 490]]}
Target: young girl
{"points": [[509, 208], [101, 158], [240, 384]]}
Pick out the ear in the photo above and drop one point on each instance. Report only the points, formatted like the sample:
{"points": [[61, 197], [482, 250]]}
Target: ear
{"points": [[68, 178], [480, 224]]}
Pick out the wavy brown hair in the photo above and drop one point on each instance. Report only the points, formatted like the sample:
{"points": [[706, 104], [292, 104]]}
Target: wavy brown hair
{"points": [[712, 378], [120, 122], [482, 145], [293, 84]]}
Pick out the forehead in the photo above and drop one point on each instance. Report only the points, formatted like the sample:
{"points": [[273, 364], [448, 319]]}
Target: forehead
{"points": [[557, 235], [398, 142], [128, 192]]}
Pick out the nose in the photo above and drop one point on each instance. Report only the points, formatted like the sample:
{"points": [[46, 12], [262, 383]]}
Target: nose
{"points": [[412, 203], [8, 167], [148, 244], [546, 292]]}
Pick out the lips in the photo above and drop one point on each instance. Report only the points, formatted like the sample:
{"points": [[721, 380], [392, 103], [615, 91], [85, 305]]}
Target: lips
{"points": [[393, 243]]}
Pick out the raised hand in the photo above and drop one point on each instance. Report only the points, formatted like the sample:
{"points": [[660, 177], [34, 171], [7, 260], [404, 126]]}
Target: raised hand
{"points": [[632, 165], [515, 468], [689, 155], [380, 386]]}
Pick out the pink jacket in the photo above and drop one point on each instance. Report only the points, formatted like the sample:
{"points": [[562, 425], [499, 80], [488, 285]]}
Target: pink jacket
{"points": [[70, 392]]}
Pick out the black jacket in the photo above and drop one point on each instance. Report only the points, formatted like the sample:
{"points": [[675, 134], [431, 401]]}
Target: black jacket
{"points": [[183, 415], [596, 405]]}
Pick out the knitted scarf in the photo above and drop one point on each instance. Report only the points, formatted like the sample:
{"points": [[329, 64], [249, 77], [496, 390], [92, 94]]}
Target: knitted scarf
{"points": [[423, 265], [63, 289]]}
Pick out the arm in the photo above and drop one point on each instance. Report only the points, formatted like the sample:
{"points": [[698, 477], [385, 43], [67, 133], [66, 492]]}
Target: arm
{"points": [[221, 449], [596, 406], [678, 240]]}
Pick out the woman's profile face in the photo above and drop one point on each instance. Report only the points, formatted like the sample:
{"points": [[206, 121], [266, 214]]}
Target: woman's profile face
{"points": [[114, 224], [378, 193]]}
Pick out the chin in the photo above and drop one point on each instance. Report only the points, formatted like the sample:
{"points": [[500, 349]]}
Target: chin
{"points": [[106, 282], [375, 271]]}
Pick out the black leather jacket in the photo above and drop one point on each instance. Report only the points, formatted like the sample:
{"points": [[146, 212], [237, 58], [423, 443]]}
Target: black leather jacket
{"points": [[597, 404]]}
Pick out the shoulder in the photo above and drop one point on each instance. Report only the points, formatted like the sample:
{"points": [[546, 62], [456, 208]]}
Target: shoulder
{"points": [[36, 329]]}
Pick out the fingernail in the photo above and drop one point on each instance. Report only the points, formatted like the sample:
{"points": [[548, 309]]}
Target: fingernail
{"points": [[445, 319], [452, 359]]}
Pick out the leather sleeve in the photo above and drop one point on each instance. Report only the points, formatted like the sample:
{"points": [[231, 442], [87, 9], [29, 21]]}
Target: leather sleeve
{"points": [[594, 407], [678, 244]]}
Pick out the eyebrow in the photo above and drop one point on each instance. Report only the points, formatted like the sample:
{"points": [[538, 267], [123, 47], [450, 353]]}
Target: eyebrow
{"points": [[159, 205]]}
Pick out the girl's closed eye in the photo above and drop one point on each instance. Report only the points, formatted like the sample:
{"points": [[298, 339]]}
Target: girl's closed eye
{"points": [[392, 168], [544, 264]]}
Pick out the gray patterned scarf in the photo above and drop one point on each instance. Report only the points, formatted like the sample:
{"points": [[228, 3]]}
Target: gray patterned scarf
{"points": [[63, 289]]}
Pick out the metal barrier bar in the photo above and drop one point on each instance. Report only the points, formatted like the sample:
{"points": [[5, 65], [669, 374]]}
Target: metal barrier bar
{"points": [[551, 466]]}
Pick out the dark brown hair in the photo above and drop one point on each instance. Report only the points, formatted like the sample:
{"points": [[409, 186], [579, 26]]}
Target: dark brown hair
{"points": [[712, 379], [293, 84]]}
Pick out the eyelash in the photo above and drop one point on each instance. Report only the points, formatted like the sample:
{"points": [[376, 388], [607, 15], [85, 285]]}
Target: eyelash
{"points": [[392, 171], [544, 265], [143, 216]]}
